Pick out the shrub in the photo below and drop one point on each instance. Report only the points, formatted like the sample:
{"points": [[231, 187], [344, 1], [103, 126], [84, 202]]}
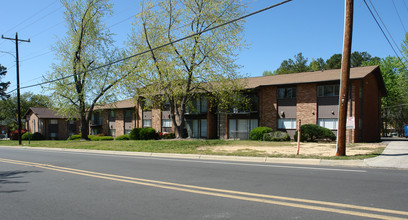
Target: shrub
{"points": [[148, 134], [27, 136], [37, 136], [311, 132], [258, 133], [168, 136], [134, 134], [74, 137], [14, 134], [276, 136], [100, 138], [122, 137]]}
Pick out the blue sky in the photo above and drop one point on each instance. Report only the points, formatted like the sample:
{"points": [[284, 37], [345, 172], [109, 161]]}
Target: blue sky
{"points": [[313, 27]]}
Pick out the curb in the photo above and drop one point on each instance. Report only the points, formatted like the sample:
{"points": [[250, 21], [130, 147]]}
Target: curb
{"points": [[318, 162]]}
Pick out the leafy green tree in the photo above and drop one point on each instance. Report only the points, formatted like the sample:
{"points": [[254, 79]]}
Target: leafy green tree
{"points": [[334, 62], [204, 63], [87, 44], [267, 73], [299, 64], [3, 85], [317, 65], [8, 113]]}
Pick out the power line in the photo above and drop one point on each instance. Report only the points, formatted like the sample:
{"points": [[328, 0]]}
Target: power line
{"points": [[405, 31], [385, 35], [33, 15], [161, 46], [385, 26]]}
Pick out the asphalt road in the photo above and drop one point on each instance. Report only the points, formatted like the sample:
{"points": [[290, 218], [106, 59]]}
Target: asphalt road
{"points": [[48, 184]]}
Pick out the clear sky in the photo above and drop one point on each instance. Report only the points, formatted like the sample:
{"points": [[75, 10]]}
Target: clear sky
{"points": [[313, 27]]}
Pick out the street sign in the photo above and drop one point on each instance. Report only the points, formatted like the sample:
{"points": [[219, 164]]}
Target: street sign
{"points": [[351, 124]]}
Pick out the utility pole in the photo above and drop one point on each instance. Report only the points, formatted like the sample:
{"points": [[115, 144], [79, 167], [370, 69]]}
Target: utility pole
{"points": [[18, 83], [344, 79]]}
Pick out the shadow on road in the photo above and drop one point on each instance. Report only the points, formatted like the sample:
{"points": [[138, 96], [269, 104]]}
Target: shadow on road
{"points": [[13, 177]]}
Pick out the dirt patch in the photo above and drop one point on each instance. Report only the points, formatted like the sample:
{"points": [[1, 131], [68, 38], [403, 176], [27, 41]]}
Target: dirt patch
{"points": [[318, 149]]}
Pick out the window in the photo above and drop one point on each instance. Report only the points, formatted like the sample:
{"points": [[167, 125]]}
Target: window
{"points": [[147, 123], [127, 131], [147, 104], [53, 121], [240, 128], [203, 127], [328, 90], [53, 135], [96, 130], [247, 102], [197, 128], [112, 115], [96, 118], [71, 127], [287, 93], [128, 115], [198, 105], [166, 123], [287, 123], [330, 123]]}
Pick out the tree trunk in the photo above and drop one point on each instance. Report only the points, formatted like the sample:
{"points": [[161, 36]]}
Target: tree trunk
{"points": [[84, 122], [84, 128]]}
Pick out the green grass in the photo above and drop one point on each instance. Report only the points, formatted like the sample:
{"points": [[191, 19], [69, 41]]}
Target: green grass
{"points": [[185, 147]]}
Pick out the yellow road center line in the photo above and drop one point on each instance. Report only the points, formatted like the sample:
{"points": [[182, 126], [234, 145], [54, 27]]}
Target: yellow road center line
{"points": [[215, 192]]}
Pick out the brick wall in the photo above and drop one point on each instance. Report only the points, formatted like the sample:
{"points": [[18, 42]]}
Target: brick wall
{"points": [[268, 107], [156, 119], [119, 122], [371, 110], [105, 122], [62, 129], [32, 123], [306, 107]]}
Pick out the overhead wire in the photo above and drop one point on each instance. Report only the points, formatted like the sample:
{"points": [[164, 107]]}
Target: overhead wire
{"points": [[177, 28], [405, 31], [158, 47], [33, 15], [378, 24]]}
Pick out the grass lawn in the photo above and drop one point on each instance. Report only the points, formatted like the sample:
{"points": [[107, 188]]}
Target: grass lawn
{"points": [[255, 148]]}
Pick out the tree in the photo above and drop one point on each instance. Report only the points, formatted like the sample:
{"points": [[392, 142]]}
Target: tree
{"points": [[3, 85], [317, 65], [9, 106], [88, 44], [334, 62], [202, 64], [267, 73], [293, 66]]}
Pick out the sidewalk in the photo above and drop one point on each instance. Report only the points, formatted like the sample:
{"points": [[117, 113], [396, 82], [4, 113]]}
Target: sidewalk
{"points": [[395, 155]]}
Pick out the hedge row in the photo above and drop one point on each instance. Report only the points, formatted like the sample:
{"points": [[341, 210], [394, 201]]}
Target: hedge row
{"points": [[35, 137], [309, 132]]}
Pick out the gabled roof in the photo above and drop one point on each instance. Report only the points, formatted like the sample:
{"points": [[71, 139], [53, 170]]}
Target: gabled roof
{"points": [[127, 103], [285, 79], [314, 77], [44, 113]]}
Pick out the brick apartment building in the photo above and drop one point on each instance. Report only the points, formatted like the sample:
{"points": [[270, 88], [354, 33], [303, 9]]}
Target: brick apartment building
{"points": [[51, 125], [277, 102]]}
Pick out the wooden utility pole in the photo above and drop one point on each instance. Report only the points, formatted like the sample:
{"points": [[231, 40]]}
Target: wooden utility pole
{"points": [[18, 84], [344, 79]]}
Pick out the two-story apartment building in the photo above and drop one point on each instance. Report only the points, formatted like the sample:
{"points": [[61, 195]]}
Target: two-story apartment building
{"points": [[50, 124], [277, 101]]}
